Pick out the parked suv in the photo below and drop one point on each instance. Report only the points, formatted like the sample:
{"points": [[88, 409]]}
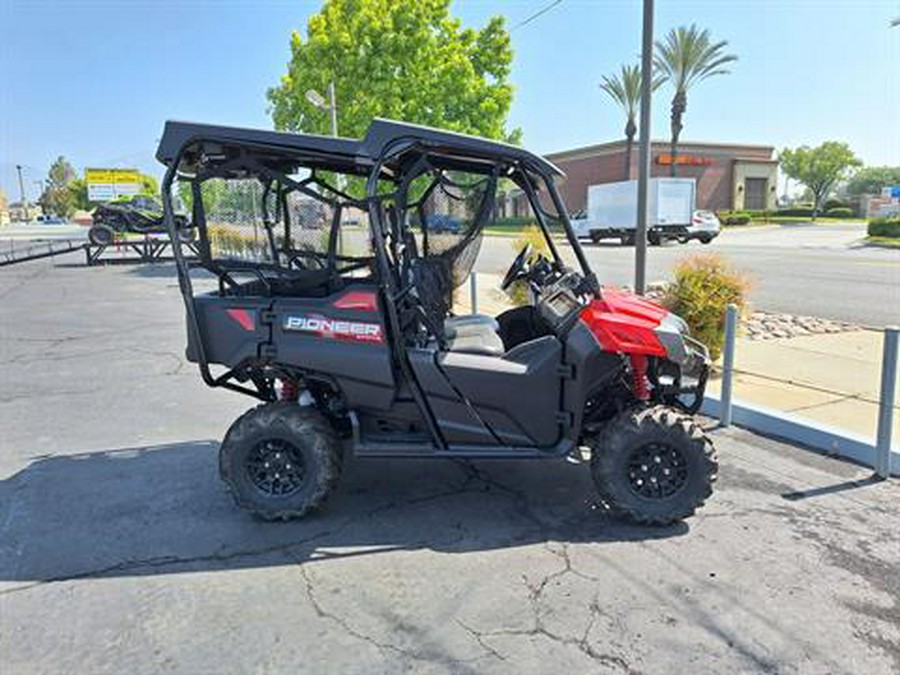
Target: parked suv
{"points": [[704, 226]]}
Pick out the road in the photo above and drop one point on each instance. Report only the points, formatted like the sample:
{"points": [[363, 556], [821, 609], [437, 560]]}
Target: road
{"points": [[802, 269], [818, 270]]}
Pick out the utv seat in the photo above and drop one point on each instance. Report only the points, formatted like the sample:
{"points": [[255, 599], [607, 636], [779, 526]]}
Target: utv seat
{"points": [[459, 325], [475, 334]]}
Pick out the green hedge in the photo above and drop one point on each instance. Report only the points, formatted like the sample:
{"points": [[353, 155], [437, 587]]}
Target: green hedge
{"points": [[513, 221], [797, 212], [840, 212], [884, 227]]}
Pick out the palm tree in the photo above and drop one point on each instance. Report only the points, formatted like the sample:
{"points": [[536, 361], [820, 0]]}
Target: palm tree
{"points": [[685, 57], [625, 89]]}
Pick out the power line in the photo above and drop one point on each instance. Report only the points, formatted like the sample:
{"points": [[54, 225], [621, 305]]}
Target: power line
{"points": [[536, 15]]}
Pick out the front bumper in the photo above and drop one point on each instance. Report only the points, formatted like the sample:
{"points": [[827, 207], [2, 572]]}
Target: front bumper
{"points": [[682, 383]]}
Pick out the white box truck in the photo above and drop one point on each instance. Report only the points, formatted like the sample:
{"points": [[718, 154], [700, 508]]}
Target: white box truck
{"points": [[612, 211]]}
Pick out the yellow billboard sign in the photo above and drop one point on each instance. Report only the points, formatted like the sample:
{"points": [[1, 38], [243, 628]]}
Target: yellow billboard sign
{"points": [[107, 176], [109, 184]]}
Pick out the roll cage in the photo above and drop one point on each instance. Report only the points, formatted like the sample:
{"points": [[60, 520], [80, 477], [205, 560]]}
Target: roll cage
{"points": [[386, 162]]}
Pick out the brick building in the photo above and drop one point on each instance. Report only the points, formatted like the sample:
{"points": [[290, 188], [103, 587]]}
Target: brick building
{"points": [[728, 176]]}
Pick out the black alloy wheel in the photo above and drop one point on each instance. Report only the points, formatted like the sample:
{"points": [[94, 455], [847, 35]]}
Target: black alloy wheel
{"points": [[276, 467], [656, 471]]}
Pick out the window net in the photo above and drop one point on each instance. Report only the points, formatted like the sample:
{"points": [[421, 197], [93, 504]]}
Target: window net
{"points": [[247, 221], [448, 216]]}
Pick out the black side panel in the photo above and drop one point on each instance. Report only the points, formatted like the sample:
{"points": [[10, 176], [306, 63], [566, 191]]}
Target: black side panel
{"points": [[592, 370], [518, 394], [349, 345], [457, 420], [232, 328]]}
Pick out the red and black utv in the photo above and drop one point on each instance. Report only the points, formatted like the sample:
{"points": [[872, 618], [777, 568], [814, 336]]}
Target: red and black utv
{"points": [[332, 304]]}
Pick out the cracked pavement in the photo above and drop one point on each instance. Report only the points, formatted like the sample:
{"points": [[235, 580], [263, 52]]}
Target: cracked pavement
{"points": [[120, 550]]}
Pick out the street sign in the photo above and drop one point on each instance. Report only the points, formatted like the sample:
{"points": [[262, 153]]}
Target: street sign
{"points": [[108, 184]]}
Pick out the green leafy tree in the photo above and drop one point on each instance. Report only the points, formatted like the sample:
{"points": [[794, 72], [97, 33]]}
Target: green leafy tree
{"points": [[410, 61], [686, 57], [871, 179], [625, 89], [819, 168], [78, 189], [149, 186], [57, 197]]}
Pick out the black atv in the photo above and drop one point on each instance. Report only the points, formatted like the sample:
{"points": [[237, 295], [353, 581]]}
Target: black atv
{"points": [[137, 215], [348, 338]]}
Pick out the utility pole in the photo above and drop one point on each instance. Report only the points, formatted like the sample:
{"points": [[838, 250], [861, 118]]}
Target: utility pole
{"points": [[22, 192], [640, 239]]}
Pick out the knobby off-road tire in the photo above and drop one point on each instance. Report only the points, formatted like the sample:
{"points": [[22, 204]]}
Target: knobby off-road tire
{"points": [[101, 234], [280, 460], [655, 465]]}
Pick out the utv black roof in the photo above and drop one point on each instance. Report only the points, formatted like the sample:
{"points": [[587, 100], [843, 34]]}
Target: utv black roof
{"points": [[349, 155]]}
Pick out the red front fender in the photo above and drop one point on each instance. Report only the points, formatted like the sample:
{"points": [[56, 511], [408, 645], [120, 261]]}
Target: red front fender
{"points": [[625, 323]]}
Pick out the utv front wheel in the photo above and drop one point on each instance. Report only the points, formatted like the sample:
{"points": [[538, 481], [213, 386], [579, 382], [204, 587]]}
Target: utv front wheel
{"points": [[655, 465], [280, 460]]}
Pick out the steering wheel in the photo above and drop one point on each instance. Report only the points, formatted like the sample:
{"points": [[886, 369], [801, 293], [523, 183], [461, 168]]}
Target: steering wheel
{"points": [[517, 268]]}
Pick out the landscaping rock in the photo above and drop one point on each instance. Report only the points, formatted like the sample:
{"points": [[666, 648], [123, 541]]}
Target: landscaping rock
{"points": [[765, 326]]}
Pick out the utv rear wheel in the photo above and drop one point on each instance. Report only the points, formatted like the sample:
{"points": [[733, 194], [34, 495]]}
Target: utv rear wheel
{"points": [[280, 460], [101, 234], [655, 465]]}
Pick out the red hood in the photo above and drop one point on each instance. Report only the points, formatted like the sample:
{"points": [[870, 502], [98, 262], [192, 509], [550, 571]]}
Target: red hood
{"points": [[625, 323], [617, 301]]}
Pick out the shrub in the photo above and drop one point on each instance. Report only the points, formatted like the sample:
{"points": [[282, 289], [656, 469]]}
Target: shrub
{"points": [[733, 217], [801, 212], [835, 204], [704, 285], [532, 234], [884, 227], [840, 212]]}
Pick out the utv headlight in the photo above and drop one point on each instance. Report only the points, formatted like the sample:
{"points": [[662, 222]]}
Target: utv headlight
{"points": [[674, 335]]}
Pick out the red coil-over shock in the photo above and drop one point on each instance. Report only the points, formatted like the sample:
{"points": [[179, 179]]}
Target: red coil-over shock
{"points": [[289, 390], [640, 382]]}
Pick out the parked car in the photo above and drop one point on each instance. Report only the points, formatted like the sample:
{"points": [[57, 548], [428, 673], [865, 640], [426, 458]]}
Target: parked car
{"points": [[704, 226], [441, 223], [51, 220]]}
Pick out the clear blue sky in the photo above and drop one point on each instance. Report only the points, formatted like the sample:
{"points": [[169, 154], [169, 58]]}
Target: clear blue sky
{"points": [[95, 80]]}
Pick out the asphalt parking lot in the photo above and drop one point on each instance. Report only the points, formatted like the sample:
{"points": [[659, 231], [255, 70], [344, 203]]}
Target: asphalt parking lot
{"points": [[120, 550]]}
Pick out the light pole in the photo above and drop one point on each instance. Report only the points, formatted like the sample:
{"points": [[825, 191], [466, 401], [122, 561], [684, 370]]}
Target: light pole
{"points": [[317, 100], [640, 238], [22, 192], [40, 184]]}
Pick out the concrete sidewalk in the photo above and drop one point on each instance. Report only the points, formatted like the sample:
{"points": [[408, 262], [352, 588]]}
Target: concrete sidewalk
{"points": [[832, 378]]}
